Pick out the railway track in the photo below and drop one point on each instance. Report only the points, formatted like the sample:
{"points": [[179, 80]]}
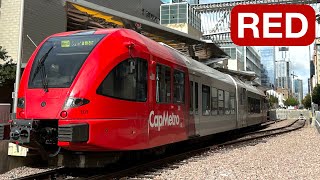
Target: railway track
{"points": [[151, 168]]}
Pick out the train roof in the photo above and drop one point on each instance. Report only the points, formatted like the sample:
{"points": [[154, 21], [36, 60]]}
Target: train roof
{"points": [[198, 67]]}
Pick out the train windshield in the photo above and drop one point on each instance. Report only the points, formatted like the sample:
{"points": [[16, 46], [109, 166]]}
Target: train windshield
{"points": [[59, 60]]}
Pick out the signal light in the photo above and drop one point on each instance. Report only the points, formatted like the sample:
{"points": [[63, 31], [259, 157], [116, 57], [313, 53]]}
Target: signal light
{"points": [[21, 114], [21, 103], [75, 102], [63, 114]]}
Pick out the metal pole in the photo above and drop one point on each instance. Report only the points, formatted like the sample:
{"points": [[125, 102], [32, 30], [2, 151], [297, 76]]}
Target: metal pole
{"points": [[311, 81], [18, 70]]}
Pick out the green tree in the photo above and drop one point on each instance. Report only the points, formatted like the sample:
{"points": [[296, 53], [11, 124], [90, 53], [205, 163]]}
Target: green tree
{"points": [[316, 94], [273, 101], [307, 101], [291, 101], [7, 68]]}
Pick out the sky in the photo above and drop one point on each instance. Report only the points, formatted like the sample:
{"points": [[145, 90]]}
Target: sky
{"points": [[299, 55]]}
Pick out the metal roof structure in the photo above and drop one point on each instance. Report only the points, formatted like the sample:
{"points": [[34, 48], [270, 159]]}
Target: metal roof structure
{"points": [[216, 18], [82, 15]]}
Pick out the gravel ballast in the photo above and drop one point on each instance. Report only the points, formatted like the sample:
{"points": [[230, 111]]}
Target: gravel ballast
{"points": [[288, 156]]}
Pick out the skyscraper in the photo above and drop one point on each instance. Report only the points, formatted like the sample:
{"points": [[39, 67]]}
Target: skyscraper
{"points": [[298, 90], [268, 60], [282, 68]]}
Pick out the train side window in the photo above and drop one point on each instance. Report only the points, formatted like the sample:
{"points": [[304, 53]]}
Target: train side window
{"points": [[163, 84], [243, 94], [250, 105], [227, 102], [206, 100], [178, 91], [214, 101], [232, 103], [258, 106], [221, 102], [191, 97], [196, 99], [127, 81], [254, 105]]}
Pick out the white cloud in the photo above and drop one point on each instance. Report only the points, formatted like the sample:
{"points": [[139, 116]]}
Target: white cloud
{"points": [[299, 56]]}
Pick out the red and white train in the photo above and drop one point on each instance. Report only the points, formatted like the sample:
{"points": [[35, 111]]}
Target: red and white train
{"points": [[114, 90]]}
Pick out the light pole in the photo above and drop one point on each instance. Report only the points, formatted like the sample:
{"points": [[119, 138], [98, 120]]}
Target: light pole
{"points": [[293, 75], [18, 70]]}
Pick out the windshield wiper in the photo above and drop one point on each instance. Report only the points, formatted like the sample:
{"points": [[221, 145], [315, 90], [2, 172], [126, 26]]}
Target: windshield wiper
{"points": [[41, 67]]}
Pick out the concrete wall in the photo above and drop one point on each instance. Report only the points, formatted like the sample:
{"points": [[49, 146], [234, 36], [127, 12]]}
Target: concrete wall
{"points": [[9, 26], [281, 114]]}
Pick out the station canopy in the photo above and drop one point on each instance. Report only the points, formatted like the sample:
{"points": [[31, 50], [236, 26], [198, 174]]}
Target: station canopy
{"points": [[82, 15]]}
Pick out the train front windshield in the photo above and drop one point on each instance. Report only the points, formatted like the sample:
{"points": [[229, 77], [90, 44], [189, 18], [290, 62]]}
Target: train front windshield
{"points": [[59, 60]]}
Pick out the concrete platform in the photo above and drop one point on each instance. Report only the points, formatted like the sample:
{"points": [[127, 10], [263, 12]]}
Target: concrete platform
{"points": [[9, 162]]}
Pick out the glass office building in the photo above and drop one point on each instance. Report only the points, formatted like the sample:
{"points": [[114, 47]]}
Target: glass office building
{"points": [[181, 12], [267, 59]]}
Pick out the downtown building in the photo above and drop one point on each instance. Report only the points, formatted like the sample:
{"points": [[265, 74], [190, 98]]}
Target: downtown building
{"points": [[268, 62], [179, 15], [283, 69], [245, 58], [298, 90]]}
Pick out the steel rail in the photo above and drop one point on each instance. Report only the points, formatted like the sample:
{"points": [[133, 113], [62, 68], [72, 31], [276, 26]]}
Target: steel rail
{"points": [[58, 172], [176, 158]]}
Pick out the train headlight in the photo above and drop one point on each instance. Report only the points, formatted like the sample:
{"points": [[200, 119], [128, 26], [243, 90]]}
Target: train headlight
{"points": [[75, 102], [21, 103]]}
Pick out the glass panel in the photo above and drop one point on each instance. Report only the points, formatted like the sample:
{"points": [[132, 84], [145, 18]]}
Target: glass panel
{"points": [[178, 79], [164, 21], [206, 100], [232, 103], [214, 101], [164, 16], [184, 6], [191, 97], [227, 102], [196, 101], [62, 58], [173, 7], [163, 75], [221, 102], [183, 11], [182, 21], [127, 81], [182, 16], [173, 21], [233, 53], [164, 8]]}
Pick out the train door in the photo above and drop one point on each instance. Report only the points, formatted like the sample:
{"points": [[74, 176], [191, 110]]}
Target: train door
{"points": [[194, 104], [242, 107], [162, 105], [168, 112]]}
